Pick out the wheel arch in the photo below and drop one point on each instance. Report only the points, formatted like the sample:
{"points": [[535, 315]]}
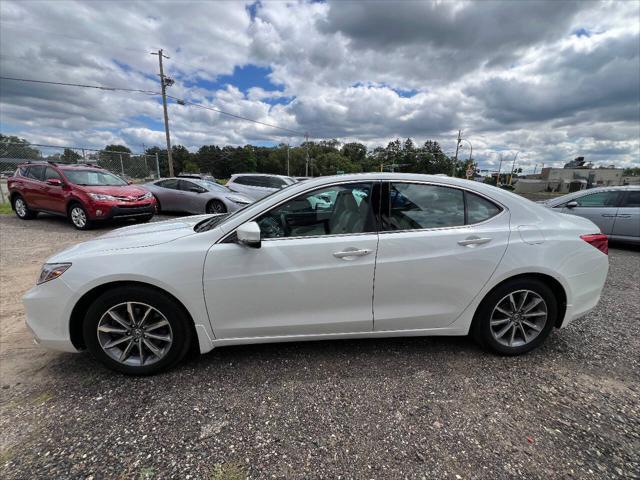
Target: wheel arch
{"points": [[555, 286], [78, 312]]}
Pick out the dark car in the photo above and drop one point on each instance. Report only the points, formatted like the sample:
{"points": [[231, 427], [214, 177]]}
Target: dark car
{"points": [[83, 193]]}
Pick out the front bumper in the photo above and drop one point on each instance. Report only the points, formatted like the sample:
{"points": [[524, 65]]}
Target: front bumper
{"points": [[48, 307], [122, 211]]}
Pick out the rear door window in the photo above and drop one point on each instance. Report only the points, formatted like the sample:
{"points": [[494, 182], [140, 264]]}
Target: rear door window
{"points": [[632, 199], [171, 183], [414, 206]]}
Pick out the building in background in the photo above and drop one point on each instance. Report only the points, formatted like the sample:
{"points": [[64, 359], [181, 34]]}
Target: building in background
{"points": [[574, 176]]}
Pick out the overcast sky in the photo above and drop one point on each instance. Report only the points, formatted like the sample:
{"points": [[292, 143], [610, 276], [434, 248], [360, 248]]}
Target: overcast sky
{"points": [[552, 80]]}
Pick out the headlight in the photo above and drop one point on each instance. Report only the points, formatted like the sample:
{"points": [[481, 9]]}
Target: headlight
{"points": [[239, 200], [51, 270], [146, 195], [100, 196]]}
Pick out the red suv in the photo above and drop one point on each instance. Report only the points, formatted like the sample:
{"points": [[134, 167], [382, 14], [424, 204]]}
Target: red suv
{"points": [[83, 193]]}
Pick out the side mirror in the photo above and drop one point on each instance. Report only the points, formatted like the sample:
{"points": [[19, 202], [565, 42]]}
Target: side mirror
{"points": [[572, 204], [196, 190], [249, 234], [56, 182]]}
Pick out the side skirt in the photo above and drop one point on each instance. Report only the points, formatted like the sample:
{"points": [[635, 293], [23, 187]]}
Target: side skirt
{"points": [[339, 336]]}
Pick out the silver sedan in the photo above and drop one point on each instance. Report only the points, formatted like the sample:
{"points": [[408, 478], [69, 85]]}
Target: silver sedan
{"points": [[616, 210], [195, 196]]}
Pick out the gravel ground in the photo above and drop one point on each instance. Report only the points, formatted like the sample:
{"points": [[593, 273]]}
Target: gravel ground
{"points": [[399, 408]]}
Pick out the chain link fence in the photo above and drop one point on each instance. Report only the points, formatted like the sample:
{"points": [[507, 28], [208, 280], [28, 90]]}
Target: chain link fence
{"points": [[133, 167]]}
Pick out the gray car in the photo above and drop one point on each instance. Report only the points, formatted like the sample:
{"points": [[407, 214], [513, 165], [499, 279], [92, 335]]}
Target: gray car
{"points": [[192, 195], [616, 210]]}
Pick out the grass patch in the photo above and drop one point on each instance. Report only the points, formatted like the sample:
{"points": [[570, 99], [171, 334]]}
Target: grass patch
{"points": [[42, 398], [228, 471], [5, 209], [146, 473]]}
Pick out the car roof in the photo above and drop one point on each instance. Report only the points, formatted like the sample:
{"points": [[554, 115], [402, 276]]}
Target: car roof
{"points": [[235, 175], [63, 166]]}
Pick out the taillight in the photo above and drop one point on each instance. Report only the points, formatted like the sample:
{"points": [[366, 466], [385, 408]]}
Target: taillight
{"points": [[598, 240]]}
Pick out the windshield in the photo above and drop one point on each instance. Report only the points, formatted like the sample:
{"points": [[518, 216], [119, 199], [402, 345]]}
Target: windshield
{"points": [[216, 220], [213, 186], [93, 178]]}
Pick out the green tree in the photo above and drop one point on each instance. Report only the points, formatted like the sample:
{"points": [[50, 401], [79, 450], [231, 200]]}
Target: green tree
{"points": [[70, 156], [15, 147]]}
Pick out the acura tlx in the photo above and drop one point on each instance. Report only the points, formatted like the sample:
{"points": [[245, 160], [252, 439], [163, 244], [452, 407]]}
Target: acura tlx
{"points": [[351, 256]]}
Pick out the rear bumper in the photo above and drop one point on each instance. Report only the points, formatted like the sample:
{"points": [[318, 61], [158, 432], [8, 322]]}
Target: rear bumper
{"points": [[585, 291]]}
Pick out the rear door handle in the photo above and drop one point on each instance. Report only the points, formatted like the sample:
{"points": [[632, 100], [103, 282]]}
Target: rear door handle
{"points": [[609, 215], [473, 241], [624, 215], [348, 253]]}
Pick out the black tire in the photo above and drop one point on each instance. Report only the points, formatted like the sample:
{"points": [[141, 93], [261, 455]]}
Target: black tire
{"points": [[180, 329], [216, 206], [481, 328], [78, 216], [23, 212]]}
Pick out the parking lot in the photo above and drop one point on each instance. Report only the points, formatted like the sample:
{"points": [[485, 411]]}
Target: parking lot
{"points": [[388, 408]]}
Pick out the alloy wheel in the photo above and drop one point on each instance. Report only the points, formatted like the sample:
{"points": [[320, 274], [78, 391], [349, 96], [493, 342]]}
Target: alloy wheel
{"points": [[216, 207], [518, 318], [21, 207], [135, 334], [78, 217]]}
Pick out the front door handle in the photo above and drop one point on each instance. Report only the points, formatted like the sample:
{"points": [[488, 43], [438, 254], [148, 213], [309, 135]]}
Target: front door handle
{"points": [[473, 241], [624, 215], [608, 214], [352, 252]]}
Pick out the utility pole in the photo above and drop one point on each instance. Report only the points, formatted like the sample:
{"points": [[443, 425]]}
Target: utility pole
{"points": [[513, 166], [306, 143], [288, 174], [455, 160], [163, 85]]}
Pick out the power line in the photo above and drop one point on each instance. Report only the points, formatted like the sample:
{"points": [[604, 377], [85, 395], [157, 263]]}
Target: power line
{"points": [[149, 92]]}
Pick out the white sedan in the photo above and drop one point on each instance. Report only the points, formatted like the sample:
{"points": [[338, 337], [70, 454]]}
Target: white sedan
{"points": [[390, 255]]}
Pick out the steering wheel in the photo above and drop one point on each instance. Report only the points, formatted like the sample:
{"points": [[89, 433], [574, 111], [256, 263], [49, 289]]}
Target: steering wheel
{"points": [[272, 228]]}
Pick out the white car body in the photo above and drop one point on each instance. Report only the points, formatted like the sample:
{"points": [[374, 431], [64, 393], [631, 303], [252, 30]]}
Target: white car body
{"points": [[415, 282]]}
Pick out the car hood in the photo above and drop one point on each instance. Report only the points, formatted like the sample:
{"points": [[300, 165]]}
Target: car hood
{"points": [[135, 236], [123, 191]]}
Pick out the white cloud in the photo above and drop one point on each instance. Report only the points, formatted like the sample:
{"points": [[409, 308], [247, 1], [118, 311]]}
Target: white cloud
{"points": [[514, 76]]}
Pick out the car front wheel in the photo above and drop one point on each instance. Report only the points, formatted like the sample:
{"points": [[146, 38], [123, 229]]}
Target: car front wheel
{"points": [[136, 330], [78, 217], [216, 206], [516, 317]]}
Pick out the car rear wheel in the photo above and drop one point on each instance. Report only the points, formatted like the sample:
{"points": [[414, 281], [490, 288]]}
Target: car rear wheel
{"points": [[136, 330], [78, 217], [216, 206], [23, 212], [516, 317]]}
